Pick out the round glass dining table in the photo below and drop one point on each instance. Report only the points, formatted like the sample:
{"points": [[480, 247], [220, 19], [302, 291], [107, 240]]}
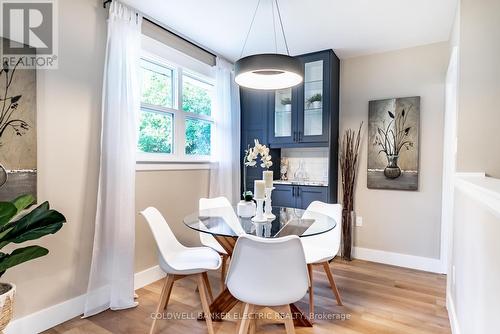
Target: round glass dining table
{"points": [[226, 226], [224, 222]]}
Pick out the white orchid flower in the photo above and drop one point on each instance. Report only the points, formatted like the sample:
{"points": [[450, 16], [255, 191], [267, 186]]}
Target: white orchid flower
{"points": [[259, 150]]}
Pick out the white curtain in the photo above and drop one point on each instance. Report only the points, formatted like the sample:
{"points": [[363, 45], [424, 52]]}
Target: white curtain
{"points": [[111, 281], [225, 168]]}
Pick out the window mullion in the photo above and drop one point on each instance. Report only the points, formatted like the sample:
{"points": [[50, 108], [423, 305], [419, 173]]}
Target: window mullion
{"points": [[181, 137]]}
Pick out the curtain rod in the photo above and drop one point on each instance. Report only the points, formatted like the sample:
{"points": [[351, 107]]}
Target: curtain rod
{"points": [[152, 21]]}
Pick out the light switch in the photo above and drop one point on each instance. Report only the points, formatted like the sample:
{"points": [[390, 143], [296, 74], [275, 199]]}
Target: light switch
{"points": [[359, 221]]}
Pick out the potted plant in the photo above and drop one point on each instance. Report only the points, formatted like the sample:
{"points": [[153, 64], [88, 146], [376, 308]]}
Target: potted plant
{"points": [[246, 207], [18, 226], [315, 101], [287, 103], [392, 139]]}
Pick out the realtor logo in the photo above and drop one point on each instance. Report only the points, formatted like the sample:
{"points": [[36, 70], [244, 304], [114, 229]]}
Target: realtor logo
{"points": [[29, 33]]}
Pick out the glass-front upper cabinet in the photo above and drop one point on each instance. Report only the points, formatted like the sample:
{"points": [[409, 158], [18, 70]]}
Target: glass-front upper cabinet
{"points": [[283, 113], [313, 115], [313, 98], [284, 116], [301, 115]]}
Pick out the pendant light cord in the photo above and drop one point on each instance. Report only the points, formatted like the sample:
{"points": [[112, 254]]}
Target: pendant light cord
{"points": [[274, 27], [250, 28], [281, 23]]}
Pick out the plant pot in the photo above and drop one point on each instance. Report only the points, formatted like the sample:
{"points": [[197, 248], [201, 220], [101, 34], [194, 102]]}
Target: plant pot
{"points": [[288, 107], [316, 104], [392, 171], [7, 292]]}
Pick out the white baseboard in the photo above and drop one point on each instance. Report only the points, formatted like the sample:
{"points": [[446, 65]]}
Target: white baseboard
{"points": [[47, 318], [452, 314], [54, 315], [148, 276], [398, 259]]}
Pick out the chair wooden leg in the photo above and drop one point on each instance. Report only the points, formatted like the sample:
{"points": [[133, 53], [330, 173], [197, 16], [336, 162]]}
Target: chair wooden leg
{"points": [[164, 297], [204, 303], [225, 257], [311, 292], [329, 274], [209, 288], [288, 319], [253, 326], [245, 319]]}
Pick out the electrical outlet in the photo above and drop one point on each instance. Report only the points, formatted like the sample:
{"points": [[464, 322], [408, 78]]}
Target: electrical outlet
{"points": [[359, 221]]}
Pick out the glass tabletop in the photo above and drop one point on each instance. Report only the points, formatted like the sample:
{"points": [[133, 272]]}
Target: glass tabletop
{"points": [[289, 221]]}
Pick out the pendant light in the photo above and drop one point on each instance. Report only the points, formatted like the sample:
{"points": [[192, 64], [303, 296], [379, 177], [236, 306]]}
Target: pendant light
{"points": [[268, 70]]}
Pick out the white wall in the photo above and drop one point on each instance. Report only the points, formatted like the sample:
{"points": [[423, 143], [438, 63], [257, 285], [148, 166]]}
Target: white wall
{"points": [[479, 115], [474, 272], [474, 290], [68, 116], [406, 222]]}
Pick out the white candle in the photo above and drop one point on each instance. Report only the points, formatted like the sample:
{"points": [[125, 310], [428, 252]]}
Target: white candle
{"points": [[268, 178], [259, 189]]}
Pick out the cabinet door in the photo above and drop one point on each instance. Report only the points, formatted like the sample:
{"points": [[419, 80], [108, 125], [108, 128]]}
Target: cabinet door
{"points": [[254, 111], [306, 195], [314, 97], [283, 117], [283, 195]]}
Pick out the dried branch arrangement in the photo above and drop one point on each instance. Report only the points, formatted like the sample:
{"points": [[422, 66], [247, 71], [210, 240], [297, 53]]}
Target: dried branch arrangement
{"points": [[349, 150]]}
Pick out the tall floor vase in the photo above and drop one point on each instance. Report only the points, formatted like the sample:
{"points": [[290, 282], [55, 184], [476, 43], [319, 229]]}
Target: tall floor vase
{"points": [[349, 149]]}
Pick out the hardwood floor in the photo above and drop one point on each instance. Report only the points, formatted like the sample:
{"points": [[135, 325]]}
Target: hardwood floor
{"points": [[377, 299]]}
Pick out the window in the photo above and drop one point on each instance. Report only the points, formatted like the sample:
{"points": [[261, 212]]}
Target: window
{"points": [[176, 121]]}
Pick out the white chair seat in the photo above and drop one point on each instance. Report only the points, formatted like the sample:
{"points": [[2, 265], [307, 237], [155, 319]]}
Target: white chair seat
{"points": [[316, 254], [209, 241], [192, 260]]}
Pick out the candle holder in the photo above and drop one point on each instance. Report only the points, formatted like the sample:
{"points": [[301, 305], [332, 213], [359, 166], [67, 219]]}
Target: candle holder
{"points": [[259, 216], [268, 208]]}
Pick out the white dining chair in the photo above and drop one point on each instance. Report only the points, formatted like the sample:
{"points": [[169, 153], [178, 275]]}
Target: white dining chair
{"points": [[219, 206], [320, 249], [179, 261], [267, 273]]}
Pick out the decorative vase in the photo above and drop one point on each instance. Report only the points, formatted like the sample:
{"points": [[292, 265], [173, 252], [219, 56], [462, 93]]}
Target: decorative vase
{"points": [[3, 176], [246, 209], [7, 292], [392, 171], [348, 218]]}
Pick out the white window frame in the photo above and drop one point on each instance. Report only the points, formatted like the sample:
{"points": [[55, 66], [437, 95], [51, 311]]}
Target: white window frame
{"points": [[179, 116]]}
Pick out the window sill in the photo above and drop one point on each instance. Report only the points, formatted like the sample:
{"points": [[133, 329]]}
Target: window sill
{"points": [[158, 166]]}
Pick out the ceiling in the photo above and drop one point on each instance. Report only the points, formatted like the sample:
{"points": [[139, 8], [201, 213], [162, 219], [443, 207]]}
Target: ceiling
{"points": [[350, 27]]}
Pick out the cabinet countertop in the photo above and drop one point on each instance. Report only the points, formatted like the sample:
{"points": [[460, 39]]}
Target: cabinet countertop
{"points": [[302, 183]]}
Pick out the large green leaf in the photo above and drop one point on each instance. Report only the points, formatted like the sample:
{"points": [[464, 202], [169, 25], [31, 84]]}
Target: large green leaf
{"points": [[21, 255], [7, 212], [37, 233], [23, 202], [36, 224]]}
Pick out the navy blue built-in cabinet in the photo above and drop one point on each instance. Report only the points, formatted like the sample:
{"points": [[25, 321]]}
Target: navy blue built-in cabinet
{"points": [[303, 116], [293, 196]]}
